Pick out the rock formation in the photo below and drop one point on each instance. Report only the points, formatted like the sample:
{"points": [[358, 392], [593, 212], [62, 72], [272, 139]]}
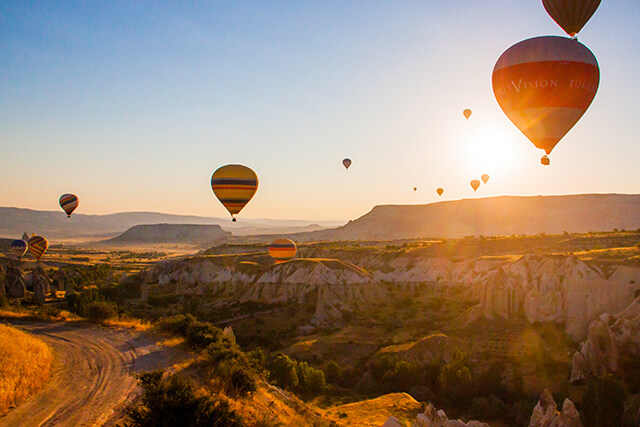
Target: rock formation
{"points": [[40, 285], [15, 282], [437, 418], [611, 338], [545, 414]]}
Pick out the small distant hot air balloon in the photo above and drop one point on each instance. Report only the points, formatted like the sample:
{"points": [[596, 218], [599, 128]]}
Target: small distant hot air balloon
{"points": [[282, 250], [346, 163], [440, 191], [484, 178], [234, 186], [25, 236], [19, 247], [571, 15], [467, 113], [38, 246], [544, 85], [475, 184], [69, 203], [415, 188], [545, 160]]}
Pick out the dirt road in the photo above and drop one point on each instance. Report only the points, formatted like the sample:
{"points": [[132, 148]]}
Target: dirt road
{"points": [[91, 380]]}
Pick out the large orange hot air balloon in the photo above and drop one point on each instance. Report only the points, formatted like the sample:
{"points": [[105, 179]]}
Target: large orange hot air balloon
{"points": [[69, 203], [484, 178], [475, 184], [440, 191], [571, 15], [282, 250], [467, 113], [544, 85], [38, 246], [234, 186], [346, 163]]}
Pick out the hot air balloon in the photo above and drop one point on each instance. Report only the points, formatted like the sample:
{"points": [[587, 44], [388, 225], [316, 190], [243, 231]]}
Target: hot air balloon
{"points": [[19, 247], [25, 236], [545, 160], [38, 246], [440, 191], [234, 186], [69, 203], [467, 113], [475, 184], [282, 250], [484, 178], [544, 85], [415, 188], [571, 15], [346, 162]]}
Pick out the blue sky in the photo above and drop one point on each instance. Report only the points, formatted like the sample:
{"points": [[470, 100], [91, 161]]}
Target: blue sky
{"points": [[132, 105]]}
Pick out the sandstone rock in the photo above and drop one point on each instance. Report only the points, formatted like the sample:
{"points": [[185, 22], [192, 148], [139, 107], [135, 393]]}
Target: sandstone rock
{"points": [[392, 422], [545, 414], [40, 285], [15, 282], [227, 333], [610, 338], [437, 418], [2, 285]]}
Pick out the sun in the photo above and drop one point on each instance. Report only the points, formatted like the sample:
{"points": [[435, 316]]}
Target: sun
{"points": [[489, 148]]}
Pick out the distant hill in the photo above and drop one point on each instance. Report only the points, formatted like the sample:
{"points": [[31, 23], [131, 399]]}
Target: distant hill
{"points": [[170, 233], [56, 225], [503, 215]]}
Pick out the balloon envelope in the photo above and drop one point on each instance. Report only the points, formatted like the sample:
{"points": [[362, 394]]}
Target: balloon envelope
{"points": [[415, 188], [467, 113], [440, 191], [544, 85], [346, 163], [474, 184], [38, 246], [282, 249], [234, 186], [19, 247], [571, 15], [69, 203], [484, 178]]}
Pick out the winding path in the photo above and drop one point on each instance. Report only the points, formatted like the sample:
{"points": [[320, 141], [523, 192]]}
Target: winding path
{"points": [[91, 381]]}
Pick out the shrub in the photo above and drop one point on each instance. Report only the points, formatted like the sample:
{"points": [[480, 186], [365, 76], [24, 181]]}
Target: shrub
{"points": [[171, 401], [283, 372], [603, 401], [100, 311]]}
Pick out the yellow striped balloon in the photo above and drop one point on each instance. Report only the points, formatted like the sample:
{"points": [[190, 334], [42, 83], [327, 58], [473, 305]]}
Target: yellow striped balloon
{"points": [[234, 186], [38, 246], [282, 249], [69, 203]]}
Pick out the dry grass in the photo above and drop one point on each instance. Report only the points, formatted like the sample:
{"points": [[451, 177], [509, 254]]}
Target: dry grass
{"points": [[130, 323], [25, 366], [374, 412]]}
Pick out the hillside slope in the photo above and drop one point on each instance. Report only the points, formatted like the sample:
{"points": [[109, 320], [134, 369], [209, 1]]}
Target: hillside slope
{"points": [[504, 215], [170, 233]]}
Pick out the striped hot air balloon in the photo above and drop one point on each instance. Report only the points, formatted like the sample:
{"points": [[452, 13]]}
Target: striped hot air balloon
{"points": [[19, 247], [571, 15], [234, 186], [38, 246], [544, 85], [69, 203], [282, 250]]}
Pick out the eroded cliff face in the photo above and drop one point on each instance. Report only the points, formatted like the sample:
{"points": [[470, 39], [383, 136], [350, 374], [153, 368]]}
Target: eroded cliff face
{"points": [[611, 340], [559, 289]]}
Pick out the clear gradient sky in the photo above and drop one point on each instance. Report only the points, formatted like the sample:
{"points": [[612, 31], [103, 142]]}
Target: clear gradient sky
{"points": [[133, 104]]}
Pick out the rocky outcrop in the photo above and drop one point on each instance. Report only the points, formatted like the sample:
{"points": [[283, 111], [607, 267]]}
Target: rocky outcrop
{"points": [[2, 285], [40, 285], [15, 282], [559, 289], [611, 339], [437, 418], [546, 414]]}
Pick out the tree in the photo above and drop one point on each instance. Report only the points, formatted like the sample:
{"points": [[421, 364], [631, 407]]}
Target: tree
{"points": [[283, 372]]}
